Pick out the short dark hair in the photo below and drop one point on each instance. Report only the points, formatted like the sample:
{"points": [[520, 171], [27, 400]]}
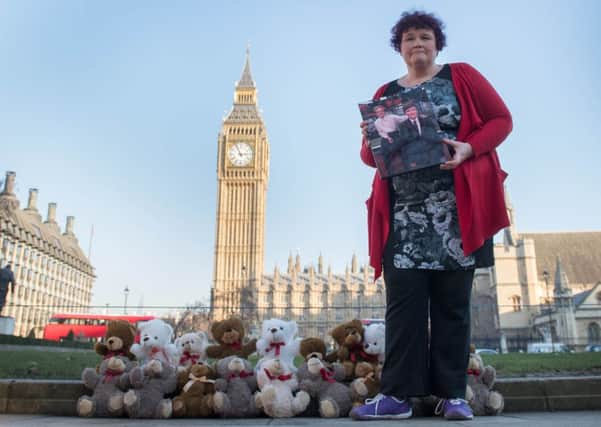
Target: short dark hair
{"points": [[418, 20]]}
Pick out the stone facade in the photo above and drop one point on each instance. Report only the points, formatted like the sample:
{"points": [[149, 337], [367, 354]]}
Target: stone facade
{"points": [[51, 271], [541, 281]]}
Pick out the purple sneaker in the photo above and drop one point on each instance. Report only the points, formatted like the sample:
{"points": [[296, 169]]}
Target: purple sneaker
{"points": [[454, 409], [382, 408]]}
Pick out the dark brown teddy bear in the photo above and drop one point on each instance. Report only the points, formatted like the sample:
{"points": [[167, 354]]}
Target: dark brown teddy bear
{"points": [[230, 336], [196, 397], [356, 362], [119, 337]]}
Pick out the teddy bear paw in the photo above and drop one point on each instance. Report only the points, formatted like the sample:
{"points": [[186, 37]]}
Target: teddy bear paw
{"points": [[130, 398], [258, 400], [85, 407], [359, 387], [328, 409], [165, 408], [268, 395], [115, 403], [301, 401], [495, 401], [219, 401]]}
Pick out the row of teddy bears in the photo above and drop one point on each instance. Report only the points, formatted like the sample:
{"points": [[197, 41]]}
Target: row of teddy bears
{"points": [[160, 379]]}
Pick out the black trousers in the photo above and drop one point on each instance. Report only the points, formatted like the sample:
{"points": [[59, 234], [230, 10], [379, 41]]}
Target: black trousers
{"points": [[418, 362]]}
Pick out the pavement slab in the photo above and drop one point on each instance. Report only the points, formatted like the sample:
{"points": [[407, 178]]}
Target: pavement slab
{"points": [[522, 419]]}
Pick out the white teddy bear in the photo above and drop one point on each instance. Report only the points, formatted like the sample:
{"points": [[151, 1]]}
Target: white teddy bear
{"points": [[155, 343], [374, 337], [191, 348], [276, 383], [374, 343], [278, 340]]}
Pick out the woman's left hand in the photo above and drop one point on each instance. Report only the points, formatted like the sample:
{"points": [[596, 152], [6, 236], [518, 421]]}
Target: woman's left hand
{"points": [[463, 151]]}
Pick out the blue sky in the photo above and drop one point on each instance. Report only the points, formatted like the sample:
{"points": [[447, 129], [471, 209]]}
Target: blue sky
{"points": [[112, 110]]}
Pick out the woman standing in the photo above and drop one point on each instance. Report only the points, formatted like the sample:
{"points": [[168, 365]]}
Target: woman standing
{"points": [[430, 229]]}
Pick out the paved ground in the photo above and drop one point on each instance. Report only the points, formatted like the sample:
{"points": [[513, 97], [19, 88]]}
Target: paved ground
{"points": [[522, 419]]}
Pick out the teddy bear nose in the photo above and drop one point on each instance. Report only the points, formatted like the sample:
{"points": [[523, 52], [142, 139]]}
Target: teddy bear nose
{"points": [[146, 339], [273, 330], [110, 341]]}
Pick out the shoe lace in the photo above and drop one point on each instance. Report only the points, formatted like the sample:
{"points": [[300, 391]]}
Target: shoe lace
{"points": [[375, 399], [440, 405]]}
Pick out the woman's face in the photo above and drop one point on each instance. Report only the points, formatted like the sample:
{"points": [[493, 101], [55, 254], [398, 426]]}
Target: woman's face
{"points": [[418, 47]]}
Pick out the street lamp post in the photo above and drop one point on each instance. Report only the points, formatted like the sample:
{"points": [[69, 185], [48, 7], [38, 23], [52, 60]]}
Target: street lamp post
{"points": [[546, 277], [126, 293]]}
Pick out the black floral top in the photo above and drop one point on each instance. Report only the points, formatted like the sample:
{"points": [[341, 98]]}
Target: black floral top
{"points": [[425, 228]]}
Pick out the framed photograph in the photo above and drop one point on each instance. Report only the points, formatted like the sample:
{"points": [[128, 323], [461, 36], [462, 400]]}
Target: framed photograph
{"points": [[403, 133]]}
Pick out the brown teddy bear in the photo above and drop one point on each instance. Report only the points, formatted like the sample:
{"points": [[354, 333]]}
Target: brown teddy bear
{"points": [[196, 397], [330, 398], [230, 336], [119, 337], [479, 394], [356, 362]]}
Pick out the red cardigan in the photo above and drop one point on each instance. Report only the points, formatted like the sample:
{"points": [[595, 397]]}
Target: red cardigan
{"points": [[485, 123]]}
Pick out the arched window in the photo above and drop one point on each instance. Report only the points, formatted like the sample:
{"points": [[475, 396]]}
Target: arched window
{"points": [[594, 333], [516, 302]]}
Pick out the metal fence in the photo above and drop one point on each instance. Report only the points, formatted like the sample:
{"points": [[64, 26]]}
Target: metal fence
{"points": [[534, 335]]}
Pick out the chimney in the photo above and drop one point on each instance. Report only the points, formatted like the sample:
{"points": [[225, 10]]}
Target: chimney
{"points": [[51, 213], [69, 226], [9, 183], [32, 203]]}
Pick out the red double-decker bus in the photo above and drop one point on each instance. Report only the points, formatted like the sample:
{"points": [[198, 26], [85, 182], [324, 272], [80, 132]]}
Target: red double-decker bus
{"points": [[84, 326]]}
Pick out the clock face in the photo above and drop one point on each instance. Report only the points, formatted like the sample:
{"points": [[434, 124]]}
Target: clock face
{"points": [[240, 154]]}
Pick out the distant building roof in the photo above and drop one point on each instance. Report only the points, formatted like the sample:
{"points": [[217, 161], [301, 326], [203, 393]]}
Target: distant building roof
{"points": [[580, 254]]}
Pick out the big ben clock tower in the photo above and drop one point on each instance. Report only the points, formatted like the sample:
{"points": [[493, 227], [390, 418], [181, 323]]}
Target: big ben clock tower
{"points": [[242, 175]]}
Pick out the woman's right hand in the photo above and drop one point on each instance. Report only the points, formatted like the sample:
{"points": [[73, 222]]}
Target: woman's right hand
{"points": [[363, 125]]}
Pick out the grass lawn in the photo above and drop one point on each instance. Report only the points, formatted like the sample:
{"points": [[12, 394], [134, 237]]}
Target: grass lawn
{"points": [[544, 364], [41, 364], [38, 364]]}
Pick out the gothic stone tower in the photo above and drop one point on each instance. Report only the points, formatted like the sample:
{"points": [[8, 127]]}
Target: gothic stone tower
{"points": [[242, 175]]}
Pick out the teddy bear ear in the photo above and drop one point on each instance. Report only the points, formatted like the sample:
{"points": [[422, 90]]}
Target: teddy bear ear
{"points": [[169, 330], [202, 335], [143, 325], [338, 333], [357, 324], [216, 329], [293, 327]]}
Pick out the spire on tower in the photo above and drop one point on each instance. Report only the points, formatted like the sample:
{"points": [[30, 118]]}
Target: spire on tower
{"points": [[246, 80]]}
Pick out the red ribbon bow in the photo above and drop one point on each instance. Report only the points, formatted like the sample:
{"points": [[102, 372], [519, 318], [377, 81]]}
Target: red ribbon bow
{"points": [[114, 353], [236, 345], [241, 374], [187, 356], [357, 352], [109, 374], [475, 372], [277, 346], [327, 375], [279, 377]]}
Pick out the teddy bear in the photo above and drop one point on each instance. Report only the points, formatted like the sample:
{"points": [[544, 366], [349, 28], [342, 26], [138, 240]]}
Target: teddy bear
{"points": [[196, 397], [277, 383], [155, 343], [118, 339], [356, 362], [191, 348], [183, 374], [321, 381], [150, 382], [479, 394], [108, 385], [229, 334], [374, 343], [235, 388], [278, 340]]}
